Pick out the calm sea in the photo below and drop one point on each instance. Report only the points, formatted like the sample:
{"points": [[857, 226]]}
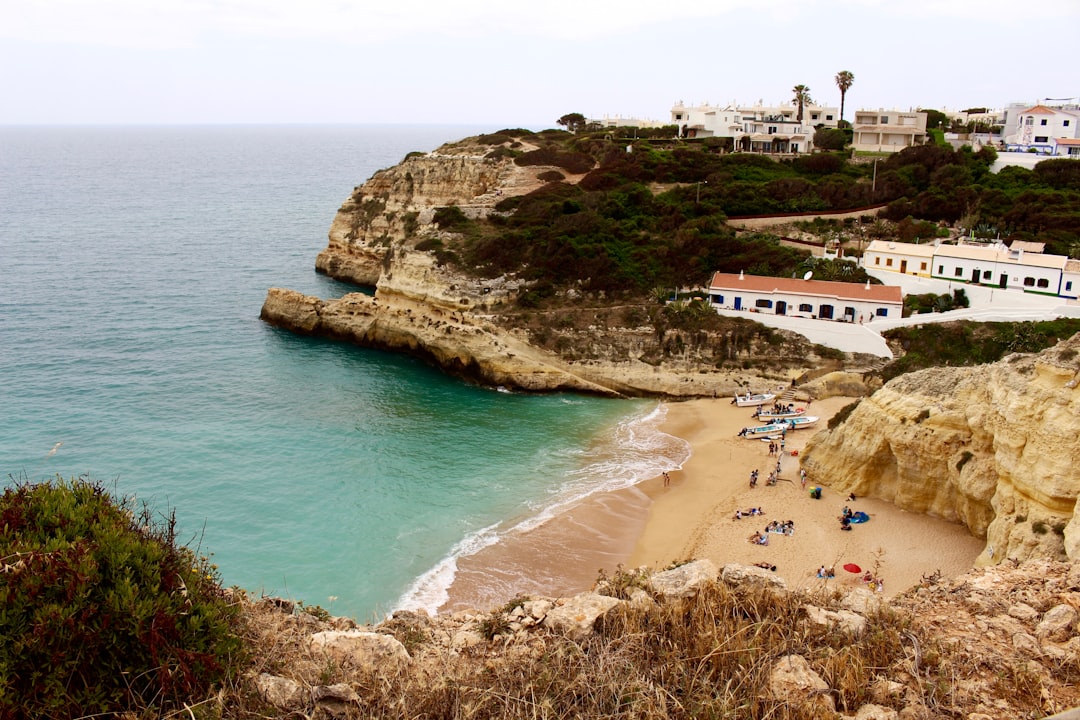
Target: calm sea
{"points": [[133, 264]]}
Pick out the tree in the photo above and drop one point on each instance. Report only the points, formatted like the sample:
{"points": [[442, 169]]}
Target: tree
{"points": [[844, 80], [802, 98], [572, 122], [936, 119]]}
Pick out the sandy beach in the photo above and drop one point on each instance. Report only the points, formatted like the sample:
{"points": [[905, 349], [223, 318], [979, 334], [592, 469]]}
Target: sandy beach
{"points": [[655, 524], [693, 517]]}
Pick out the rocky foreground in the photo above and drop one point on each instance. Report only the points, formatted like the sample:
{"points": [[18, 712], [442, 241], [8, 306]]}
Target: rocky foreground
{"points": [[695, 641]]}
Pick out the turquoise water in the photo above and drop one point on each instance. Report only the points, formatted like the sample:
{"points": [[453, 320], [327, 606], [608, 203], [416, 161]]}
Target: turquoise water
{"points": [[133, 264]]}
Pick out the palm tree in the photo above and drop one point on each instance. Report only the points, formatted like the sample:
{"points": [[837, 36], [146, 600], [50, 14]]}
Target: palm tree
{"points": [[802, 98], [844, 80]]}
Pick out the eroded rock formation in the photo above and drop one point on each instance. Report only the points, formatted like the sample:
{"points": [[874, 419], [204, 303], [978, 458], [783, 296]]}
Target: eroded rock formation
{"points": [[385, 236], [994, 447]]}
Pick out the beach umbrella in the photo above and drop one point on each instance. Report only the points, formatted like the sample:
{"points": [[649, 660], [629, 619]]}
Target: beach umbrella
{"points": [[853, 568]]}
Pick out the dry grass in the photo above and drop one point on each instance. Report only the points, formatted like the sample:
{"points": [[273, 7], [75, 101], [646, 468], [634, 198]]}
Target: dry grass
{"points": [[709, 656]]}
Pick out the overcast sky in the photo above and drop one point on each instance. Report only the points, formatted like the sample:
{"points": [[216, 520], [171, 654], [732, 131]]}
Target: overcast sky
{"points": [[514, 64]]}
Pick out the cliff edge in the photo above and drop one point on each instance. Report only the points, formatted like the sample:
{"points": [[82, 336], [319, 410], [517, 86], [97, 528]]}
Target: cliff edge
{"points": [[396, 233], [992, 446]]}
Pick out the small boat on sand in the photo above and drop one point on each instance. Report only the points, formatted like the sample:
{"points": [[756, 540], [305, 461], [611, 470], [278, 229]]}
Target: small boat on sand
{"points": [[749, 400], [764, 431], [774, 415], [803, 421]]}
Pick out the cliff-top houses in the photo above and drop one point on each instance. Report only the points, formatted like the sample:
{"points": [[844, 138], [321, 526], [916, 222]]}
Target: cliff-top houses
{"points": [[1020, 266]]}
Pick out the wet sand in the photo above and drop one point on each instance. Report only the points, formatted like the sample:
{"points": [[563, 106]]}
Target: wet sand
{"points": [[693, 517]]}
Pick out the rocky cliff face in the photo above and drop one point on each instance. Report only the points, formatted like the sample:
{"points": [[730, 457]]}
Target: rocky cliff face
{"points": [[994, 447], [385, 236]]}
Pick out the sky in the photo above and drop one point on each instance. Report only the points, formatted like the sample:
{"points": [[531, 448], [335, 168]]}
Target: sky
{"points": [[514, 64]]}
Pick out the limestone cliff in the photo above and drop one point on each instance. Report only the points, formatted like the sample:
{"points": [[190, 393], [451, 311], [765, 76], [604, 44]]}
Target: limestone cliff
{"points": [[385, 236], [994, 447]]}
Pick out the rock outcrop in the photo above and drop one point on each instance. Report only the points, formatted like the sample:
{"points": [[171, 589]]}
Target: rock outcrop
{"points": [[994, 447], [997, 642], [387, 236]]}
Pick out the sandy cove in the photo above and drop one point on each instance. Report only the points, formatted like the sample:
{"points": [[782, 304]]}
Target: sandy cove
{"points": [[693, 517], [655, 525]]}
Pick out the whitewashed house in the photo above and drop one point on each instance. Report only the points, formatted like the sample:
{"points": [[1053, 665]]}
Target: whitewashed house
{"points": [[888, 130], [900, 257], [1046, 130], [1021, 266], [817, 299], [756, 128]]}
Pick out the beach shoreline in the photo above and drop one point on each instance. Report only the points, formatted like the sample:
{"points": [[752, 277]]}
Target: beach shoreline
{"points": [[656, 524]]}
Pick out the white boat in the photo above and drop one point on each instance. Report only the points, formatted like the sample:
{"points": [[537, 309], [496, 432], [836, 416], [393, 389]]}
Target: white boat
{"points": [[800, 422], [772, 415], [764, 431], [749, 400]]}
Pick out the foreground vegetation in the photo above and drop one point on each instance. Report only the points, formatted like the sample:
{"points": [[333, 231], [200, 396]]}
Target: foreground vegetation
{"points": [[101, 610]]}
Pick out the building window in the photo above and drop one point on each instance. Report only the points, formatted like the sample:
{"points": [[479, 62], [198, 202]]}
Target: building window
{"points": [[884, 119], [1029, 121], [763, 303], [882, 312], [959, 271], [679, 116], [1068, 285], [718, 299], [815, 116], [888, 262], [828, 117], [1042, 138], [1064, 123], [1043, 121], [877, 260], [806, 307], [1029, 282], [922, 267], [986, 274], [1043, 283], [940, 269]]}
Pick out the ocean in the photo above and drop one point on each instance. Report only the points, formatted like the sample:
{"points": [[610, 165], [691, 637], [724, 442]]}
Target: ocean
{"points": [[133, 265]]}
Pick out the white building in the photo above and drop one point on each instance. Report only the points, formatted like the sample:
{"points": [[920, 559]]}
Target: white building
{"points": [[989, 265], [1046, 130], [888, 130], [756, 128], [818, 299], [900, 257]]}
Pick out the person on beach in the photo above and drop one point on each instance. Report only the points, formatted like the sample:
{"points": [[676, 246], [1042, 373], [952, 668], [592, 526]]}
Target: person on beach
{"points": [[667, 479], [802, 477]]}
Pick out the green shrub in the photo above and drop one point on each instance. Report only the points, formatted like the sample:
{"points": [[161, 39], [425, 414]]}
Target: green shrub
{"points": [[842, 415], [100, 611]]}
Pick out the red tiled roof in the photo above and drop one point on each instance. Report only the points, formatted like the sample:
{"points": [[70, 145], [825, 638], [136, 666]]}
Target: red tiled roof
{"points": [[817, 288], [1038, 110], [1067, 141]]}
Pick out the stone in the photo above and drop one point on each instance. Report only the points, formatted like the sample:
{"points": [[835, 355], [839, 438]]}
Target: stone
{"points": [[793, 681], [1026, 644], [861, 600], [538, 609], [876, 712], [335, 699], [737, 575], [579, 614], [845, 621], [685, 580], [1023, 612], [1058, 624], [366, 650], [280, 692]]}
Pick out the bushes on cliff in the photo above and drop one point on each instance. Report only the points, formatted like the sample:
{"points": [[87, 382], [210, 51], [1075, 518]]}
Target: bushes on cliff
{"points": [[100, 611]]}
